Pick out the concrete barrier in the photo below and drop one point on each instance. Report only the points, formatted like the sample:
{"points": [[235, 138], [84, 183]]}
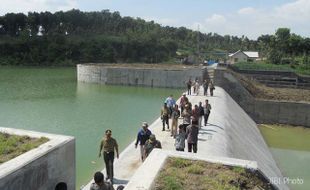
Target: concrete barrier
{"points": [[156, 76], [41, 168], [263, 111], [157, 159]]}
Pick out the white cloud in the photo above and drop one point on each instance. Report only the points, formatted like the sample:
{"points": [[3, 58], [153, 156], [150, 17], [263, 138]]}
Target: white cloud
{"points": [[25, 6], [295, 11], [216, 19], [247, 11], [253, 22]]}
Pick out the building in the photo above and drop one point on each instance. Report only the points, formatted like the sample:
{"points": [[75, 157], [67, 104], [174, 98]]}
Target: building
{"points": [[243, 56]]}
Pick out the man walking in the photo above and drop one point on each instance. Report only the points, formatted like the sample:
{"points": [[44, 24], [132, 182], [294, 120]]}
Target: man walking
{"points": [[205, 87], [142, 137], [164, 115], [201, 114], [206, 111], [175, 117], [212, 88], [192, 137], [189, 87], [195, 115], [170, 103], [183, 101], [108, 145], [150, 145]]}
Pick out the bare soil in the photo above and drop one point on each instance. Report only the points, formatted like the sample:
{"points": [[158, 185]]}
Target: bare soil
{"points": [[179, 174], [262, 91]]}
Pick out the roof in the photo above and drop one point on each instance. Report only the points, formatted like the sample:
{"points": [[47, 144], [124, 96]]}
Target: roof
{"points": [[250, 54]]}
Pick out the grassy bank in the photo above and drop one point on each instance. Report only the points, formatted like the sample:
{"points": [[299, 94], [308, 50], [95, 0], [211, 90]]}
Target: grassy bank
{"points": [[265, 66], [179, 174], [12, 146]]}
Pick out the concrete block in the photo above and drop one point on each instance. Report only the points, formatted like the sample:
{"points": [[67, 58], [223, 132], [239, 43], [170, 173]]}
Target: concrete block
{"points": [[156, 160], [40, 168]]}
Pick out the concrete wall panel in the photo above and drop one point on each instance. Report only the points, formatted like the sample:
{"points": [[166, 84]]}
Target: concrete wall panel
{"points": [[263, 111], [152, 77], [41, 168]]}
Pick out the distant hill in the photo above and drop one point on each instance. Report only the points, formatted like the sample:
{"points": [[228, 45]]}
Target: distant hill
{"points": [[68, 38]]}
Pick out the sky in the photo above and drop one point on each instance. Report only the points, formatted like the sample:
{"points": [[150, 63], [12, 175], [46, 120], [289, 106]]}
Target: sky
{"points": [[250, 18]]}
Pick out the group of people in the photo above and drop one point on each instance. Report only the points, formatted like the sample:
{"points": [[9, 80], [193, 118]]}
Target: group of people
{"points": [[188, 130], [207, 84], [192, 121]]}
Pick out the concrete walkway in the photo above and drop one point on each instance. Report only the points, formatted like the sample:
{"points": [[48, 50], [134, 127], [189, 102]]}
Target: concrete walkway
{"points": [[129, 160], [230, 133]]}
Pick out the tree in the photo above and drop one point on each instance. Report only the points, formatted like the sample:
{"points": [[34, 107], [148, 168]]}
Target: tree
{"points": [[282, 38]]}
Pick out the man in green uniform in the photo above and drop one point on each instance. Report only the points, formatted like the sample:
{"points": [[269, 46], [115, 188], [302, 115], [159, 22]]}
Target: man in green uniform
{"points": [[108, 145]]}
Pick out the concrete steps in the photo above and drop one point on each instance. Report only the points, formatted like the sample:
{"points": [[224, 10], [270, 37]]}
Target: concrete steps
{"points": [[280, 81]]}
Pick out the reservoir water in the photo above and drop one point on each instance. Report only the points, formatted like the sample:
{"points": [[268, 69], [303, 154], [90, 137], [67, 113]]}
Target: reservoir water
{"points": [[290, 147], [51, 100]]}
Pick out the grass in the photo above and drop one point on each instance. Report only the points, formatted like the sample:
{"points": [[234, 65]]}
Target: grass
{"points": [[183, 174], [12, 146], [264, 66]]}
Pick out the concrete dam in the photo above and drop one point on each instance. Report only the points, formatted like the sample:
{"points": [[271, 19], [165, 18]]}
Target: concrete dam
{"points": [[137, 75], [231, 133]]}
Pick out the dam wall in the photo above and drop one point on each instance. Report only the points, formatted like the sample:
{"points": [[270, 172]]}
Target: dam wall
{"points": [[42, 168], [151, 76], [263, 111], [229, 135]]}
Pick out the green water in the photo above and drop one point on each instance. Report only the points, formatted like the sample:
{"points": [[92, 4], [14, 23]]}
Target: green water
{"points": [[290, 147], [50, 100]]}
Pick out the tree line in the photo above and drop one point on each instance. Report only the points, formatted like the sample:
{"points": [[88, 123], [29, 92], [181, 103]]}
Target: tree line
{"points": [[68, 38], [285, 47]]}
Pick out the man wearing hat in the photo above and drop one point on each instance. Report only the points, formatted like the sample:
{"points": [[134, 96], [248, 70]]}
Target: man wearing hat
{"points": [[108, 144], [150, 145], [143, 135]]}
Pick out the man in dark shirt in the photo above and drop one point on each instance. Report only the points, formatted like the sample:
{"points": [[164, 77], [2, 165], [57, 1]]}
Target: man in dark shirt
{"points": [[142, 137], [100, 184], [205, 87], [109, 144], [189, 87], [201, 114], [150, 145], [195, 115], [206, 111], [164, 115], [192, 137]]}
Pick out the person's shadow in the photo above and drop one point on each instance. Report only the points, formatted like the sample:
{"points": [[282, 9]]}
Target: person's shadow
{"points": [[120, 181], [210, 124]]}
